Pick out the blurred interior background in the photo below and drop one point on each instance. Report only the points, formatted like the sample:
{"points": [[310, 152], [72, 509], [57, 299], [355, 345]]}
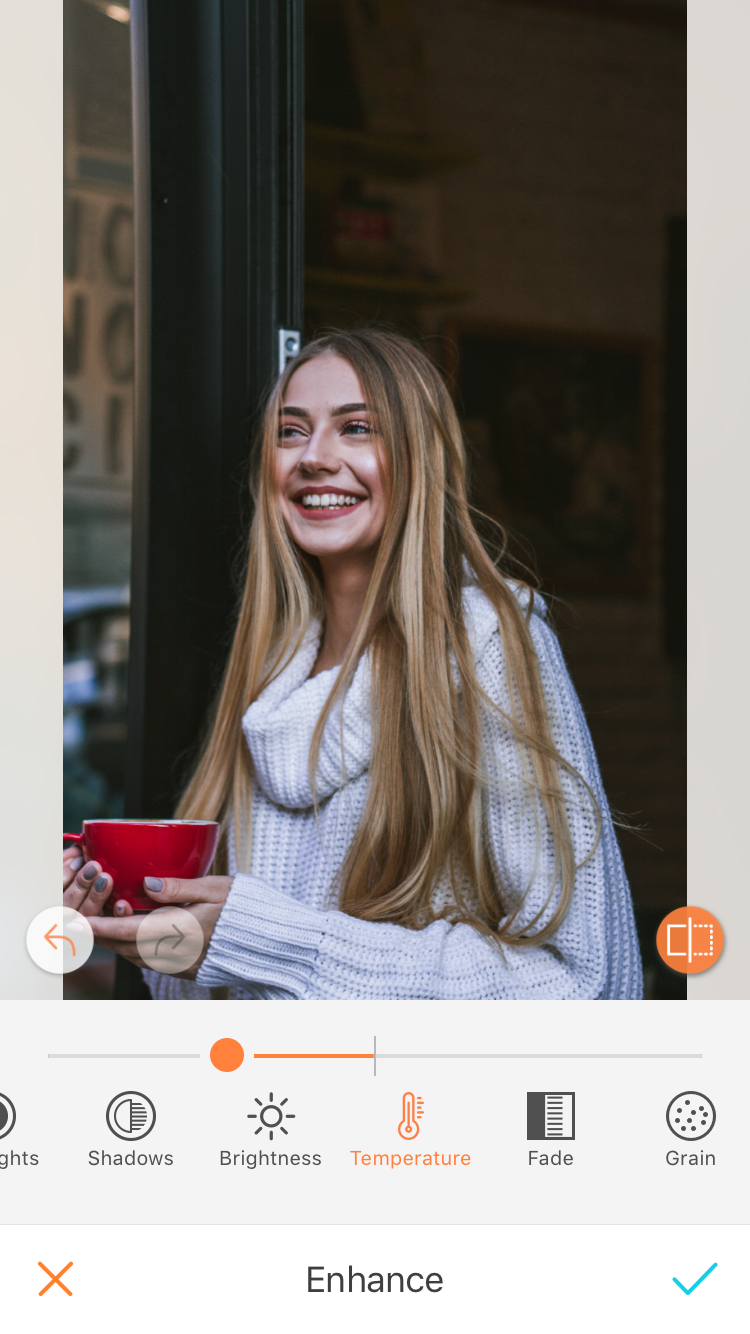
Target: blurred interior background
{"points": [[503, 179]]}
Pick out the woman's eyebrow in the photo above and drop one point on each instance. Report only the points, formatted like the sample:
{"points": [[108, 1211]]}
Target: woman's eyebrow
{"points": [[349, 407], [287, 411]]}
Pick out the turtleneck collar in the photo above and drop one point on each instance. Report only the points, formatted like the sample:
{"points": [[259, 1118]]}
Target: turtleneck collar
{"points": [[279, 726]]}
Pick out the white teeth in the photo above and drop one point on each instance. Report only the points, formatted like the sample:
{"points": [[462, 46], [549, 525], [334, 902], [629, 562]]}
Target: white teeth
{"points": [[328, 501]]}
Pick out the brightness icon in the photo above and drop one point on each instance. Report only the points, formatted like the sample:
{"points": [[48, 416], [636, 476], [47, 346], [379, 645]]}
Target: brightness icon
{"points": [[271, 1116]]}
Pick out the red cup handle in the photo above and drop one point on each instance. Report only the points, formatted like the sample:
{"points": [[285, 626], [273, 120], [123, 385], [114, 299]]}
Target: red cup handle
{"points": [[73, 838]]}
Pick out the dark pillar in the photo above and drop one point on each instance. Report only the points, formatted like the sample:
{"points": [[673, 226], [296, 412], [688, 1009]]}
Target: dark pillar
{"points": [[675, 444], [218, 198], [218, 147]]}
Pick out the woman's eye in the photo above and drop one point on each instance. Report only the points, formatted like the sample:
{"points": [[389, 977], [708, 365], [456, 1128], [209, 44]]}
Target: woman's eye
{"points": [[289, 432], [356, 428]]}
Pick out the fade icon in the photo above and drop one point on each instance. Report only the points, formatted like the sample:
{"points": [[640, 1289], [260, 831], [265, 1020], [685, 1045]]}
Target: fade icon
{"points": [[550, 1115]]}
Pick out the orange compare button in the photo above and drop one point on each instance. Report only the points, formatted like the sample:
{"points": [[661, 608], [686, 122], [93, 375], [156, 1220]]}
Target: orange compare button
{"points": [[690, 940]]}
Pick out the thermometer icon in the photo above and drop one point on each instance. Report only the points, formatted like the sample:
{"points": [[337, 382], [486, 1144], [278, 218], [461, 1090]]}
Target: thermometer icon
{"points": [[411, 1112]]}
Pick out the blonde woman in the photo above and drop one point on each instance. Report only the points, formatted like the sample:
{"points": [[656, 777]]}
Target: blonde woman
{"points": [[409, 800]]}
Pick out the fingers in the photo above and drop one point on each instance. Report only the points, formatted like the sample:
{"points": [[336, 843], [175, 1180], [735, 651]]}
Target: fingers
{"points": [[89, 891], [72, 862], [123, 908], [210, 889], [120, 933], [82, 883], [114, 930], [119, 937]]}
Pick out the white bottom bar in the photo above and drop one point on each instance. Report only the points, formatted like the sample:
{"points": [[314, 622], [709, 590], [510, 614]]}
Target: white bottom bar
{"points": [[240, 1278]]}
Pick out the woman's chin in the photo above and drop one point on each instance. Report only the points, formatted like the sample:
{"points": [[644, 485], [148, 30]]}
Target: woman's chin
{"points": [[323, 544], [335, 537]]}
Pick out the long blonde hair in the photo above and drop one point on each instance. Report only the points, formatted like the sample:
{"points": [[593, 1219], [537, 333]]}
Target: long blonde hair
{"points": [[423, 815]]}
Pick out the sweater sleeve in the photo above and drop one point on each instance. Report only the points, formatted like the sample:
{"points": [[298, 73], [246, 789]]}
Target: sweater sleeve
{"points": [[269, 940]]}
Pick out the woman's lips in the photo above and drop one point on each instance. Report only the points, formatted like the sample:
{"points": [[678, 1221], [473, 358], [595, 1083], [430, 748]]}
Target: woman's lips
{"points": [[317, 513]]}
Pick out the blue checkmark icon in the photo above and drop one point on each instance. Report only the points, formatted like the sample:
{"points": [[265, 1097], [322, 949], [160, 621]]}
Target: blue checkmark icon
{"points": [[698, 1281]]}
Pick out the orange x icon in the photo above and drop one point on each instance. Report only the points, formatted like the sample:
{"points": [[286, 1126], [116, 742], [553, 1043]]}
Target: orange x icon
{"points": [[55, 1278]]}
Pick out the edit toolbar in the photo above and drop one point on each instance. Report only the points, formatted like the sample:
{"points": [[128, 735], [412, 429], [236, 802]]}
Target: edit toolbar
{"points": [[281, 1111]]}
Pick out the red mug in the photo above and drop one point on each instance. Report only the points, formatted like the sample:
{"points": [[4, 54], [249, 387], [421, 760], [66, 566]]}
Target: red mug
{"points": [[129, 850]]}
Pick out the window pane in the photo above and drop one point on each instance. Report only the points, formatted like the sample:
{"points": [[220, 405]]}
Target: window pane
{"points": [[97, 417]]}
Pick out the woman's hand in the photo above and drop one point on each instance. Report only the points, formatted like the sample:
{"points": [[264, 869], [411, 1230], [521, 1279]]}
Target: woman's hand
{"points": [[91, 888], [85, 888], [72, 862]]}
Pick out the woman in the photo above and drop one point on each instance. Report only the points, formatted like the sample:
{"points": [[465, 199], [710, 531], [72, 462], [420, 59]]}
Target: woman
{"points": [[409, 800]]}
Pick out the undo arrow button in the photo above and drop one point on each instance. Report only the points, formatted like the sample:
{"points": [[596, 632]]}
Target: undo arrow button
{"points": [[48, 936]]}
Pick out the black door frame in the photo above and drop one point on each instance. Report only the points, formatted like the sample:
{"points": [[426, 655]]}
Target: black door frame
{"points": [[218, 118]]}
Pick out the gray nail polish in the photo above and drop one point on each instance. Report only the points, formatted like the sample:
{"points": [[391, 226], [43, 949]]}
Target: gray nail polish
{"points": [[90, 871], [119, 909], [76, 865], [154, 884], [101, 884]]}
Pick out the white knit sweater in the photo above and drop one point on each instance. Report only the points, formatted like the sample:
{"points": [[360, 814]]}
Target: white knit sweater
{"points": [[280, 935]]}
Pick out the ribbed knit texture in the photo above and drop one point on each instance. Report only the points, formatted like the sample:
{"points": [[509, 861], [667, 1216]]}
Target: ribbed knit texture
{"points": [[280, 935]]}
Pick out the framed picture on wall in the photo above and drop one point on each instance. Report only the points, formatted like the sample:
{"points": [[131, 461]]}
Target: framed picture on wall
{"points": [[559, 428]]}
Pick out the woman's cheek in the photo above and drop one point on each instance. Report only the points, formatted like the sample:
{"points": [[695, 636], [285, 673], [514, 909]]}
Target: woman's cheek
{"points": [[281, 473], [373, 475]]}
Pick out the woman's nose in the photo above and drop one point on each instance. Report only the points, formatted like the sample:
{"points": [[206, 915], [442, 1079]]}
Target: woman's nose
{"points": [[321, 452]]}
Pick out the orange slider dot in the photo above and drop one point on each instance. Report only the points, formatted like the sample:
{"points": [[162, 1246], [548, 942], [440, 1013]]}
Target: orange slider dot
{"points": [[227, 1055]]}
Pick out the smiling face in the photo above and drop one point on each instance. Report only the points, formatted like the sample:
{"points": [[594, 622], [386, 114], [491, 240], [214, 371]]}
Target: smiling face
{"points": [[328, 480]]}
